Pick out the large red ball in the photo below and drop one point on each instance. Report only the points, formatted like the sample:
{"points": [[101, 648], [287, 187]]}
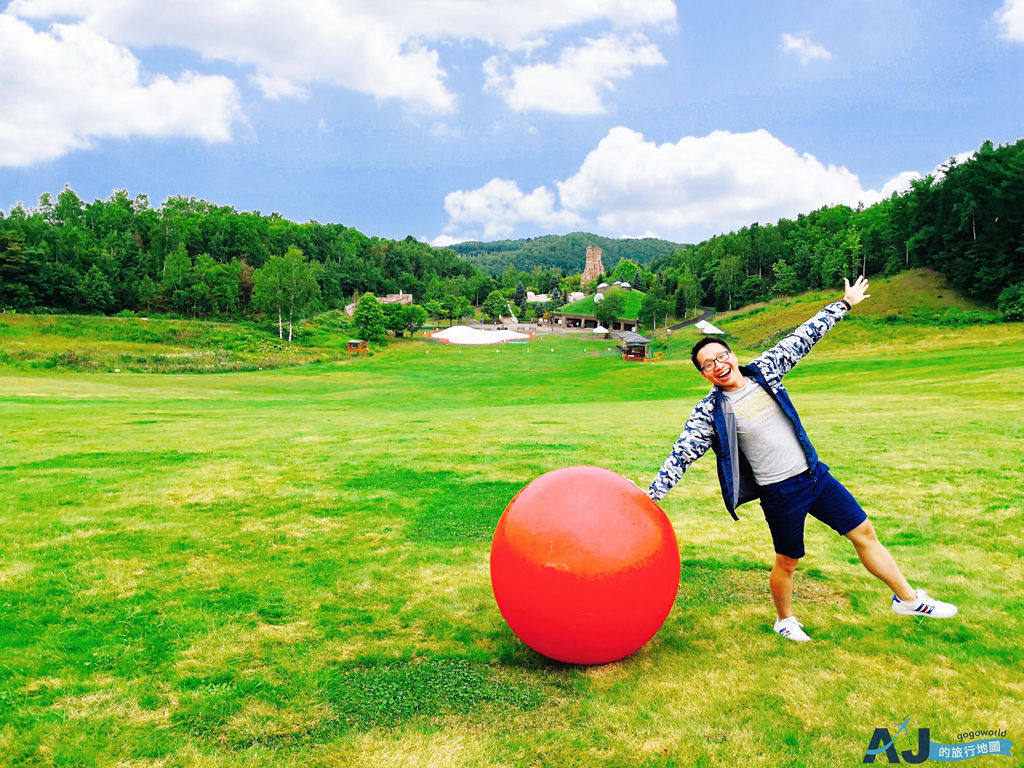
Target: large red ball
{"points": [[584, 566]]}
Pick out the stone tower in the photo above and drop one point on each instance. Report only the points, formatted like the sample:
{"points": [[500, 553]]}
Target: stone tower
{"points": [[594, 268]]}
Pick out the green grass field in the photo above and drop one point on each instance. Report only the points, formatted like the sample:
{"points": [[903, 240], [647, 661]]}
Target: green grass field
{"points": [[290, 567]]}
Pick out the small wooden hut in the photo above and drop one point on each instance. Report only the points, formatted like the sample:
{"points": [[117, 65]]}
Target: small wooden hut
{"points": [[634, 347]]}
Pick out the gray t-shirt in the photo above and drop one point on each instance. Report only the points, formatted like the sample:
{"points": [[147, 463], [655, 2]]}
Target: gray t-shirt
{"points": [[766, 437]]}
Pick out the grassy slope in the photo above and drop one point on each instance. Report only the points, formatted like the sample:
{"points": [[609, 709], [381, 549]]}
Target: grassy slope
{"points": [[918, 297], [290, 567], [164, 345], [630, 307]]}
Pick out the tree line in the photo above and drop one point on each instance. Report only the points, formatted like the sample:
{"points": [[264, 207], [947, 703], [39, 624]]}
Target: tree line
{"points": [[565, 252], [194, 258]]}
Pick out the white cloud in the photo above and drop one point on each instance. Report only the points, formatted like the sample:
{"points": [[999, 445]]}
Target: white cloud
{"points": [[443, 241], [899, 183], [63, 89], [275, 87], [498, 207], [386, 49], [702, 184], [444, 131], [376, 47], [803, 47], [685, 191], [1011, 19], [290, 45], [574, 85]]}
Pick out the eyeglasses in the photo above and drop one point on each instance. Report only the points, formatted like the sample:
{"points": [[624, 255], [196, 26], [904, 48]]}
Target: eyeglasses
{"points": [[719, 358]]}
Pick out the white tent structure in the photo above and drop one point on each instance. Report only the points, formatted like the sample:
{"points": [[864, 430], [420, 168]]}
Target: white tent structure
{"points": [[708, 328], [463, 334]]}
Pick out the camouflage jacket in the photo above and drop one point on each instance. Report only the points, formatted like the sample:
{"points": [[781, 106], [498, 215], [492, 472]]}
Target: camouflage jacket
{"points": [[712, 424]]}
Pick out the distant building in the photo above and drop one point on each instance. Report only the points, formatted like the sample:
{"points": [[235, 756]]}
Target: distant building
{"points": [[391, 298], [634, 346], [396, 298], [581, 314], [580, 320], [594, 267]]}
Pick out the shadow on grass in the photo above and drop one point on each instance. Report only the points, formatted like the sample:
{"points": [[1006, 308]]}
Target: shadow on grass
{"points": [[386, 693], [441, 506]]}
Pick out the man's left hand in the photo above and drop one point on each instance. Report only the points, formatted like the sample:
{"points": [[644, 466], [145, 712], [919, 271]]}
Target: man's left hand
{"points": [[855, 293]]}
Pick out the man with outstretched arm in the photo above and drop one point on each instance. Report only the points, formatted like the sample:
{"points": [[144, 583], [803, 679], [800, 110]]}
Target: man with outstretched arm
{"points": [[763, 452]]}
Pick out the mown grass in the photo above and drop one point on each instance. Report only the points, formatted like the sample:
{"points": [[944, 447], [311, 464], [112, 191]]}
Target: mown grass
{"points": [[289, 567], [631, 302], [163, 345]]}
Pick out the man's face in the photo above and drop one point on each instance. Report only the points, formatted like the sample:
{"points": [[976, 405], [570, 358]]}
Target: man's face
{"points": [[719, 366]]}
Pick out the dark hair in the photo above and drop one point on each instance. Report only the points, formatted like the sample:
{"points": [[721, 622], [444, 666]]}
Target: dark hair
{"points": [[703, 343]]}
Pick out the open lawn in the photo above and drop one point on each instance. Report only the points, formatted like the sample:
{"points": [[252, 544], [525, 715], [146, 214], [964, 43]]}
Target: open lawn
{"points": [[290, 567]]}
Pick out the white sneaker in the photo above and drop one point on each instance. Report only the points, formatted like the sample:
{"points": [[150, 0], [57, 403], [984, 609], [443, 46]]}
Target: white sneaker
{"points": [[790, 629], [923, 606]]}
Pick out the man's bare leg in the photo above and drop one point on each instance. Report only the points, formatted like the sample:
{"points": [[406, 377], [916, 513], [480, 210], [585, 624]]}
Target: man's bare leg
{"points": [[878, 561]]}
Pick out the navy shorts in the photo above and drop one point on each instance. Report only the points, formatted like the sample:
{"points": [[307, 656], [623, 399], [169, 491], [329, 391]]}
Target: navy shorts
{"points": [[787, 503]]}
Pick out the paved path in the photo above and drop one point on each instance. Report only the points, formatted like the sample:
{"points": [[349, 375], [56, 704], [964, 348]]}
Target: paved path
{"points": [[704, 316]]}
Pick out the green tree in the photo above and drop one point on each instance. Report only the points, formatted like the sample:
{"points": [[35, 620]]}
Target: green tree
{"points": [[62, 286], [1011, 301], [145, 292], [413, 317], [728, 278], [688, 292], [220, 284], [754, 289], [509, 279], [286, 285], [369, 318], [786, 282], [268, 294], [655, 304], [608, 311], [840, 257], [519, 297], [494, 306], [393, 318], [625, 271], [301, 286], [458, 308], [177, 279], [95, 292], [434, 309]]}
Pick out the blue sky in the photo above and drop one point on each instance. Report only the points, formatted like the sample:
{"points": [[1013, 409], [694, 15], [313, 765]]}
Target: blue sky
{"points": [[486, 119]]}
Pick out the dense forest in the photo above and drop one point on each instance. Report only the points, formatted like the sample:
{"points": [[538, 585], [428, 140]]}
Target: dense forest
{"points": [[193, 258], [559, 251], [196, 258]]}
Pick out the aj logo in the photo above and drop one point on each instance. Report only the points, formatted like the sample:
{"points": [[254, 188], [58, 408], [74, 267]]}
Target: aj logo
{"points": [[882, 743]]}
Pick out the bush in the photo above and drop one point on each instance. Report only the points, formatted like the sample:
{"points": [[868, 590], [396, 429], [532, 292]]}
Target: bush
{"points": [[1011, 302], [953, 316]]}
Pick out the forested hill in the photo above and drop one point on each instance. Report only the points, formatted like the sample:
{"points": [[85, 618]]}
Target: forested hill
{"points": [[564, 252]]}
